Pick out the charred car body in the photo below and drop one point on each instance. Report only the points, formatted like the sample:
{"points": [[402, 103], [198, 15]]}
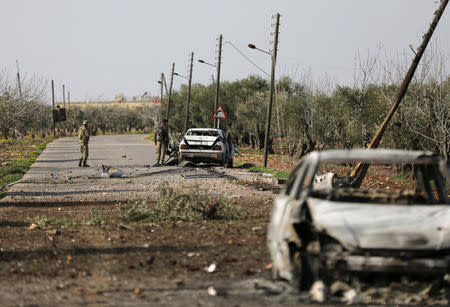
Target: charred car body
{"points": [[321, 226], [206, 145]]}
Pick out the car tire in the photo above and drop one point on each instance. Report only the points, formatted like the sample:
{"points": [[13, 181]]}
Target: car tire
{"points": [[230, 163], [303, 276], [297, 266], [224, 161]]}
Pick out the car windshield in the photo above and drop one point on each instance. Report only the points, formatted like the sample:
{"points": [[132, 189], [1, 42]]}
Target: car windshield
{"points": [[203, 133], [383, 183]]}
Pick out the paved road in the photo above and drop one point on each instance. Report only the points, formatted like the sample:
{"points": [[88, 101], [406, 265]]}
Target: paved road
{"points": [[56, 180], [55, 177]]}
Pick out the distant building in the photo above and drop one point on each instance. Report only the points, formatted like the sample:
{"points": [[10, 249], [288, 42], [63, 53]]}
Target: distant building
{"points": [[119, 98]]}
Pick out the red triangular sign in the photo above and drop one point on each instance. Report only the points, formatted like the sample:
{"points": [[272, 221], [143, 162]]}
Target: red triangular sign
{"points": [[219, 113]]}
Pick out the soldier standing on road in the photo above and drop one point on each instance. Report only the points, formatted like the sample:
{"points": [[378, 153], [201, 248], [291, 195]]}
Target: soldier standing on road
{"points": [[83, 137], [161, 141]]}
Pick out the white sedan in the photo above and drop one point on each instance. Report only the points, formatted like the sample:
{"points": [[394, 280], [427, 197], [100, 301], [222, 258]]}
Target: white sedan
{"points": [[206, 145], [322, 226]]}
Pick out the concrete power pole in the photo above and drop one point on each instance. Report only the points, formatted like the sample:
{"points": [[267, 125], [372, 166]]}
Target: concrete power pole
{"points": [[361, 169], [18, 79], [53, 107], [68, 99], [64, 95], [170, 91], [219, 60], [162, 86], [188, 101], [165, 83], [272, 81], [162, 95]]}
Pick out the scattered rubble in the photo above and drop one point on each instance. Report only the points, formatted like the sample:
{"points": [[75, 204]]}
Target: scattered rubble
{"points": [[211, 268], [33, 226], [212, 291], [318, 291]]}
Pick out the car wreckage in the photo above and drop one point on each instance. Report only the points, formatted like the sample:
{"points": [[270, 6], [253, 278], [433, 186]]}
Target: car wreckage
{"points": [[206, 145], [321, 226]]}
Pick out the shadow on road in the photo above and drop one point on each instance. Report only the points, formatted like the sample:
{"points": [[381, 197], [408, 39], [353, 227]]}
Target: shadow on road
{"points": [[43, 204], [24, 254]]}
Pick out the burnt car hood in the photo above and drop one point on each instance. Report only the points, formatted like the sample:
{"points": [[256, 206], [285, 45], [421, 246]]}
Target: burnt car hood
{"points": [[394, 227]]}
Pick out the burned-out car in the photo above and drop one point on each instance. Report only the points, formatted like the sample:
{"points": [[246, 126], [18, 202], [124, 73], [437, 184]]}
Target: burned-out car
{"points": [[206, 145], [322, 226]]}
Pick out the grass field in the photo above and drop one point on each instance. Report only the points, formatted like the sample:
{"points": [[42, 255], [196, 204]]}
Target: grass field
{"points": [[16, 157]]}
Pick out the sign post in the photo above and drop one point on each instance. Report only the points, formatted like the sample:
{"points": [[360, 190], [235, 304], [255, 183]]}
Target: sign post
{"points": [[219, 114]]}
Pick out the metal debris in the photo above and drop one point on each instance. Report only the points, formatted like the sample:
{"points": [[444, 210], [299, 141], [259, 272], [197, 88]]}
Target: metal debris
{"points": [[33, 226], [318, 291], [257, 228], [108, 172], [211, 268], [212, 291]]}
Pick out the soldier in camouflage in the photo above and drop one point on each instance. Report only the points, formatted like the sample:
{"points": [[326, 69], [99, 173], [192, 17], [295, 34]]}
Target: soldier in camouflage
{"points": [[83, 137], [161, 141]]}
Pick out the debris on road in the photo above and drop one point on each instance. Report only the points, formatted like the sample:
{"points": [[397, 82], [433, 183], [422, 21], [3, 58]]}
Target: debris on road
{"points": [[257, 228], [53, 232], [108, 172], [318, 291], [212, 291], [33, 226], [192, 254], [211, 268], [200, 172]]}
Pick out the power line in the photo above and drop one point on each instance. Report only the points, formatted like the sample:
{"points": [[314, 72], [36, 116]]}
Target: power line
{"points": [[247, 58]]}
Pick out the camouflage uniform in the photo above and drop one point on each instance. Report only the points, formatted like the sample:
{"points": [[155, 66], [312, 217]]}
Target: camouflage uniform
{"points": [[161, 142], [83, 137]]}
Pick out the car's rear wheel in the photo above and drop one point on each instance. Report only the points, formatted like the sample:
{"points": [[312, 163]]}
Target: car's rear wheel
{"points": [[230, 163], [224, 161]]}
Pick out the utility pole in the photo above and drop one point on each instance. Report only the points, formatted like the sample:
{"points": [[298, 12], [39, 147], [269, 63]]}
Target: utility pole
{"points": [[64, 96], [361, 169], [162, 85], [188, 101], [219, 60], [272, 81], [53, 107], [165, 83], [170, 91], [68, 99], [162, 93], [18, 79]]}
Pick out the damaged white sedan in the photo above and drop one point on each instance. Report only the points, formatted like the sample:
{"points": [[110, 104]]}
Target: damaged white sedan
{"points": [[206, 145], [322, 227]]}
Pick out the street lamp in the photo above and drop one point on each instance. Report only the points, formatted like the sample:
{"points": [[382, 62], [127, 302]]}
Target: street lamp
{"points": [[273, 55], [251, 46], [204, 62], [178, 75]]}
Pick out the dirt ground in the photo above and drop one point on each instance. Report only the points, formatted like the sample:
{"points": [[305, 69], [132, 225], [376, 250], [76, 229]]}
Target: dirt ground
{"points": [[135, 263], [83, 261]]}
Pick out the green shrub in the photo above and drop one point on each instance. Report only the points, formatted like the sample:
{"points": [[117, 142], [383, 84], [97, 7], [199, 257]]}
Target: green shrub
{"points": [[179, 206]]}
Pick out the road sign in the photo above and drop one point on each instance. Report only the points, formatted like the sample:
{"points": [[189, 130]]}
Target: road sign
{"points": [[59, 115], [219, 113]]}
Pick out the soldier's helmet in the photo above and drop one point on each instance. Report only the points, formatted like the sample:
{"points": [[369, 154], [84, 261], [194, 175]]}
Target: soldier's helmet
{"points": [[85, 122]]}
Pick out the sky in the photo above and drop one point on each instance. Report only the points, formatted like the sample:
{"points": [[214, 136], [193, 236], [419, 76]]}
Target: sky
{"points": [[98, 48]]}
